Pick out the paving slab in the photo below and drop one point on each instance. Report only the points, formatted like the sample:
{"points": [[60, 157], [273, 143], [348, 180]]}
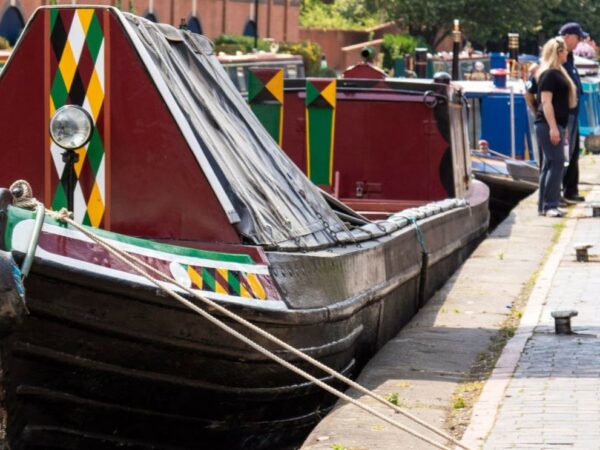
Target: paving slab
{"points": [[428, 359], [554, 387]]}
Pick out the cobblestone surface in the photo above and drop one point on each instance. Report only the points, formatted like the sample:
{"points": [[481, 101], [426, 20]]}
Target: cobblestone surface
{"points": [[552, 400]]}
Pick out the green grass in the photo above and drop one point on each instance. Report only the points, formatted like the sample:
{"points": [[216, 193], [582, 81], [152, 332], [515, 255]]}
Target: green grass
{"points": [[338, 447], [393, 398]]}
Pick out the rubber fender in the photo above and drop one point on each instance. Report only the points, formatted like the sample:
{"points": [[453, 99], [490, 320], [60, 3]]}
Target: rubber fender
{"points": [[12, 295]]}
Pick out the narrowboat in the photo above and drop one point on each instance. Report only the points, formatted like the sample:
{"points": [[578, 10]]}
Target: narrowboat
{"points": [[376, 144], [499, 118], [136, 129], [238, 66]]}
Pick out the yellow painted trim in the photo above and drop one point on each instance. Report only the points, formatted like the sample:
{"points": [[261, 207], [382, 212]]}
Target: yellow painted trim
{"points": [[330, 92], [280, 124], [331, 147], [218, 287], [256, 286], [275, 86], [307, 142], [195, 277], [85, 18]]}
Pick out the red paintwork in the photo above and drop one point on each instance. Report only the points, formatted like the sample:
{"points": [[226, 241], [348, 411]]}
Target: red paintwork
{"points": [[380, 209], [81, 250], [364, 71], [157, 189], [385, 140], [256, 253], [22, 115]]}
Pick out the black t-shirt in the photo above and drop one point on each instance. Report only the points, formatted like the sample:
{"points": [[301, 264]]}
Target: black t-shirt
{"points": [[554, 81], [531, 86]]}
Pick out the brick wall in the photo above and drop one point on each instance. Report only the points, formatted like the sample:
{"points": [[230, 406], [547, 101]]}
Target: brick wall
{"points": [[284, 20]]}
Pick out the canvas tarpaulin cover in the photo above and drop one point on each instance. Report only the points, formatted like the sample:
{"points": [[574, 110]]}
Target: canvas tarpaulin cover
{"points": [[276, 204]]}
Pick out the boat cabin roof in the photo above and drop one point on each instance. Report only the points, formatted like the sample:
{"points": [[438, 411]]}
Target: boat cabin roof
{"points": [[182, 155]]}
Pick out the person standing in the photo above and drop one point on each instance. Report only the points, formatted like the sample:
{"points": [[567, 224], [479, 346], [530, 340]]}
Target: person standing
{"points": [[572, 33], [557, 96]]}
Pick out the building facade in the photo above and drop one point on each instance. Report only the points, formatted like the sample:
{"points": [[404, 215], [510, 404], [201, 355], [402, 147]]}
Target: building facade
{"points": [[277, 19]]}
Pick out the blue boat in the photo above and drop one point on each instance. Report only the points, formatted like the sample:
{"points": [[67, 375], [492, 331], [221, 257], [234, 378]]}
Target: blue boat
{"points": [[500, 116], [503, 142]]}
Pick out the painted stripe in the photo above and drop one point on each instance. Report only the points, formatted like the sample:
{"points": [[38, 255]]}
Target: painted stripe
{"points": [[184, 255], [271, 118], [233, 280], [221, 284], [320, 130], [195, 277], [85, 254], [257, 287], [208, 278]]}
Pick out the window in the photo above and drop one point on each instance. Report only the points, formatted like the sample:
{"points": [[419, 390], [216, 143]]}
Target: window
{"points": [[194, 25], [151, 17], [249, 28], [11, 24]]}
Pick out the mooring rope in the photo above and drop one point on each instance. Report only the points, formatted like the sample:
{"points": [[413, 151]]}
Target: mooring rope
{"points": [[420, 237], [130, 260]]}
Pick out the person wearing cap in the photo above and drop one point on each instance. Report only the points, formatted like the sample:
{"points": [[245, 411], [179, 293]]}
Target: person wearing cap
{"points": [[557, 95], [572, 33]]}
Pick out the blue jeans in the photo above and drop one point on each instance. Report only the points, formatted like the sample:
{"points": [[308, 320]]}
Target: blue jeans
{"points": [[571, 176], [553, 166]]}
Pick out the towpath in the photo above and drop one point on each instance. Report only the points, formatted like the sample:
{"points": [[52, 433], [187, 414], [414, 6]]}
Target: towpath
{"points": [[543, 391]]}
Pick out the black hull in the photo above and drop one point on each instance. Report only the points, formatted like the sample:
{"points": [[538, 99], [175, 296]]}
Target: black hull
{"points": [[101, 363], [111, 384], [505, 194]]}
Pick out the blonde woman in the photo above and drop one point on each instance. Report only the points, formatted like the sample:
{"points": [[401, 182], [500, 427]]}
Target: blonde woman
{"points": [[557, 94]]}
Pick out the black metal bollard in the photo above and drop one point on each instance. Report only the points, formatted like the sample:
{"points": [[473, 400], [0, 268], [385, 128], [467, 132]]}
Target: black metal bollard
{"points": [[581, 252], [562, 321]]}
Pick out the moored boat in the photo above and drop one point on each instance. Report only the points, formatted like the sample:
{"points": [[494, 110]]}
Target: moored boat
{"points": [[136, 128], [498, 116], [377, 145]]}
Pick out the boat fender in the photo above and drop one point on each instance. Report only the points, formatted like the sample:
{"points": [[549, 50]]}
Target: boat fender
{"points": [[12, 295]]}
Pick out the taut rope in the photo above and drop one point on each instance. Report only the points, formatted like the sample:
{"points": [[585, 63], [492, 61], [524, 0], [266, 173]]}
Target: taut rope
{"points": [[136, 264]]}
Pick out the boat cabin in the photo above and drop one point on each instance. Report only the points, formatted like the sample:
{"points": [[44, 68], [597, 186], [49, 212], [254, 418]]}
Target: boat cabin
{"points": [[499, 116], [377, 144], [238, 66]]}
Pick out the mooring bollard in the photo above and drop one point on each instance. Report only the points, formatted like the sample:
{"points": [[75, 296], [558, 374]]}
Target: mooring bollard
{"points": [[581, 252], [562, 321]]}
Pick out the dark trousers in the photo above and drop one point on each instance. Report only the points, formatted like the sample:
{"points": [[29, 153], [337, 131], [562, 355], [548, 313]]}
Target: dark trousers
{"points": [[571, 176], [552, 169]]}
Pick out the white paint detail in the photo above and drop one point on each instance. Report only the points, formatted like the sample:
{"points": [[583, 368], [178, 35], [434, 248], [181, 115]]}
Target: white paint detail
{"points": [[100, 65], [180, 274], [56, 153], [79, 204], [100, 179], [23, 230], [76, 37], [86, 105]]}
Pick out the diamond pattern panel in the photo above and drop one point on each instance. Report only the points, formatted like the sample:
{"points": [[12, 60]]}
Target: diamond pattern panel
{"points": [[77, 78]]}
